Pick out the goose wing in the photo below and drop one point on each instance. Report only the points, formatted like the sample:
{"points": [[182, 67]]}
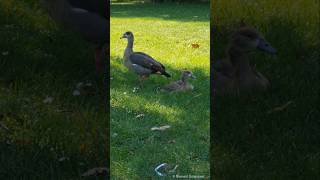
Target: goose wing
{"points": [[146, 61], [88, 18], [173, 86], [95, 6], [223, 68]]}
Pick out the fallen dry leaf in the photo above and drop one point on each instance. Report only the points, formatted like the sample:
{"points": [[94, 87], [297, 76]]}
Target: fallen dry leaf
{"points": [[76, 92], [280, 108], [161, 128], [135, 89], [4, 126], [63, 159], [140, 116], [79, 85], [114, 134], [48, 100], [83, 148], [5, 53], [84, 89], [194, 45], [99, 171]]}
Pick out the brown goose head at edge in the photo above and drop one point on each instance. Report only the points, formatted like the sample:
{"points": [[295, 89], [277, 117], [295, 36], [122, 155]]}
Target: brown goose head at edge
{"points": [[87, 18], [234, 73]]}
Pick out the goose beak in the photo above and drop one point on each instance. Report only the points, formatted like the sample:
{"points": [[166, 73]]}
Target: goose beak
{"points": [[193, 76], [123, 36], [266, 47]]}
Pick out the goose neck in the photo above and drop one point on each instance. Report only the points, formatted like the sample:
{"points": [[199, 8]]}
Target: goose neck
{"points": [[130, 43], [239, 60], [129, 49]]}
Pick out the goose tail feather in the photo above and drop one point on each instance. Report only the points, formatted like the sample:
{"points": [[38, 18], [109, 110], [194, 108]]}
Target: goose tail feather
{"points": [[166, 74]]}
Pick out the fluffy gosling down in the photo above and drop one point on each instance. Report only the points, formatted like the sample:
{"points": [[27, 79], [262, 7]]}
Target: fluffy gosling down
{"points": [[182, 84]]}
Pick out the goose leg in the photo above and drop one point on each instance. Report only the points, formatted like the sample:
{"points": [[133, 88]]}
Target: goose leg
{"points": [[99, 59], [141, 79]]}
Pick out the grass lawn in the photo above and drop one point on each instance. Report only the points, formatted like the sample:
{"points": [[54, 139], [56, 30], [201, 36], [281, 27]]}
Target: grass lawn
{"points": [[166, 32], [252, 138], [41, 139]]}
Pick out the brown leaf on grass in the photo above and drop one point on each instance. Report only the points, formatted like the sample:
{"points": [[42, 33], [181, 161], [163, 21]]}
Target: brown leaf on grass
{"points": [[4, 126], [63, 159], [280, 108], [5, 53], [84, 89], [195, 45], [76, 92], [161, 128], [48, 100], [83, 148], [99, 171]]}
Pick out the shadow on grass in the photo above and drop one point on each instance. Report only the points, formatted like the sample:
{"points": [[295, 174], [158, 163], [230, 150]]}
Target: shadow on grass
{"points": [[40, 60], [250, 136], [35, 162], [166, 11]]}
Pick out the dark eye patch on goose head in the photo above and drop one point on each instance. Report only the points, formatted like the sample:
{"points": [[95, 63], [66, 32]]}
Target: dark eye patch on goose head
{"points": [[249, 33], [266, 46], [126, 35]]}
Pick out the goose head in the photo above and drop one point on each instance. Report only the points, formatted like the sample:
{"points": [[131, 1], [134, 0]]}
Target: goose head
{"points": [[247, 39], [127, 35]]}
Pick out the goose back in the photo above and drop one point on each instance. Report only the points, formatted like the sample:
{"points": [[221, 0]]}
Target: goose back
{"points": [[147, 62], [96, 6], [88, 18]]}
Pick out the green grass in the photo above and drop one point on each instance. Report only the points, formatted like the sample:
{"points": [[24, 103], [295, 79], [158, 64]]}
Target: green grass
{"points": [[38, 59], [166, 32], [249, 142]]}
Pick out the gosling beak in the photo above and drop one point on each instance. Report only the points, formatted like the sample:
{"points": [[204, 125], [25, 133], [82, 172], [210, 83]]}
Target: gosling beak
{"points": [[266, 47], [193, 76]]}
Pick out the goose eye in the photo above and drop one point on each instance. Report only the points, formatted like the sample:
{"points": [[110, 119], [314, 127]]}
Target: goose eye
{"points": [[249, 36]]}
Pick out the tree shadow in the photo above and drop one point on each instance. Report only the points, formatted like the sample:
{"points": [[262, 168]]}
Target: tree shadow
{"points": [[167, 11], [250, 129]]}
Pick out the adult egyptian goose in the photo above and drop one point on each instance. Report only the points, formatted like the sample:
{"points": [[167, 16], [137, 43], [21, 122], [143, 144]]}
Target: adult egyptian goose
{"points": [[182, 84], [141, 63], [86, 17], [234, 73]]}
